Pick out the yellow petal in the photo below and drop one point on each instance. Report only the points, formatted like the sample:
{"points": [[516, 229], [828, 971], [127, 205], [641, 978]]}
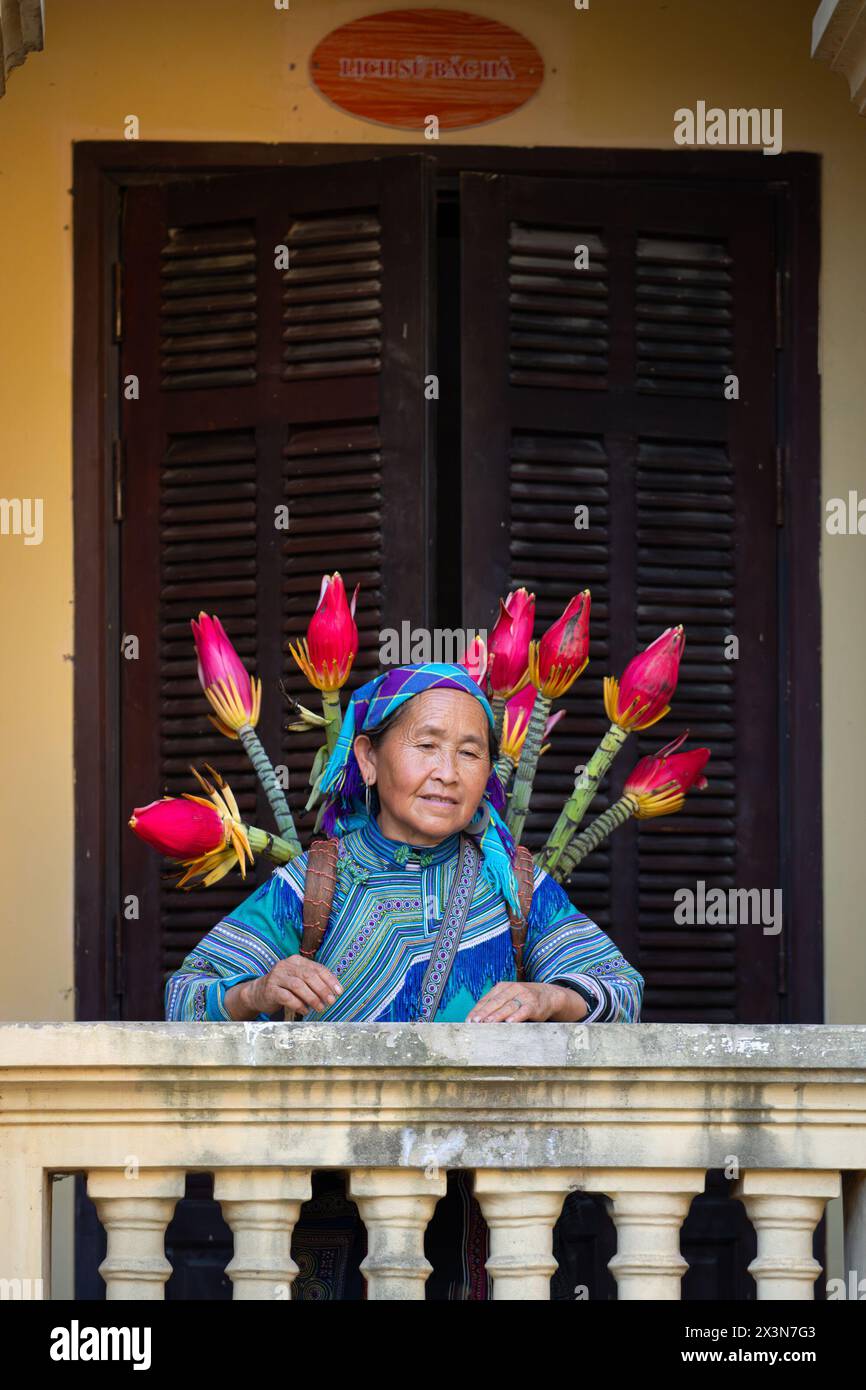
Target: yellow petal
{"points": [[223, 728], [202, 781], [649, 723], [232, 805], [200, 800], [216, 874]]}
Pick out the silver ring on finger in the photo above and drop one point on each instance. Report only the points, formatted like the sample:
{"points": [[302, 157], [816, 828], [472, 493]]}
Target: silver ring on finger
{"points": [[518, 1001]]}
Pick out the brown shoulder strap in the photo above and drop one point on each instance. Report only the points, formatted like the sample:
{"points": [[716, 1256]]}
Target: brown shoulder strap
{"points": [[321, 882], [524, 869], [319, 887], [524, 872]]}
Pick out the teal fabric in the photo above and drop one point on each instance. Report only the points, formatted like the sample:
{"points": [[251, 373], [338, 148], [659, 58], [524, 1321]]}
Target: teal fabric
{"points": [[384, 919]]}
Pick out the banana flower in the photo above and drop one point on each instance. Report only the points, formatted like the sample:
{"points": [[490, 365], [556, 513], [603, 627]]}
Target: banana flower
{"points": [[327, 652], [658, 783], [207, 838], [554, 664], [237, 699], [475, 662], [508, 647], [232, 693], [637, 701], [326, 655], [656, 786], [559, 658], [642, 697]]}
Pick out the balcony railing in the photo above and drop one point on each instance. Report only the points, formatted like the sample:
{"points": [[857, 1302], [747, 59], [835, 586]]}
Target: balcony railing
{"points": [[636, 1113]]}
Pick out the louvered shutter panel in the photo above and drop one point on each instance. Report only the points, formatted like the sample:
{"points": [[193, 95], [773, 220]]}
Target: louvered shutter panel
{"points": [[260, 386], [603, 387]]}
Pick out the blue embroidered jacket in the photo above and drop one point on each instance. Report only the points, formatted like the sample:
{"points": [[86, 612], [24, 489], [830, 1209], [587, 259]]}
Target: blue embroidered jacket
{"points": [[386, 914]]}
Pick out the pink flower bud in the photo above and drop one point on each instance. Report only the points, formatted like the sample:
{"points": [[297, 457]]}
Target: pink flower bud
{"points": [[643, 695], [509, 643], [475, 661], [558, 659], [181, 829], [659, 782], [218, 660], [326, 654]]}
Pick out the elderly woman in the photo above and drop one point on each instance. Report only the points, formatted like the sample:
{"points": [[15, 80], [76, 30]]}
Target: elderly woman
{"points": [[425, 860]]}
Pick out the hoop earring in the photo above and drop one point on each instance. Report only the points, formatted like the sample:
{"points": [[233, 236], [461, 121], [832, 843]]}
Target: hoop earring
{"points": [[479, 829], [367, 786]]}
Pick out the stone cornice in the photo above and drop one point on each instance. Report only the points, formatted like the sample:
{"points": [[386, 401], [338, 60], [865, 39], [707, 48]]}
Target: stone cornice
{"points": [[21, 32], [839, 40]]}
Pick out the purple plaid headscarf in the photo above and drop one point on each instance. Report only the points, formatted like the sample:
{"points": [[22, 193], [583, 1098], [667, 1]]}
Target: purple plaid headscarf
{"points": [[342, 783]]}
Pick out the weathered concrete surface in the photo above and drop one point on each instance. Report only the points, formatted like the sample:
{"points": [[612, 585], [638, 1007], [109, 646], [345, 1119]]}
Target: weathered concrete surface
{"points": [[350, 1045], [459, 1095]]}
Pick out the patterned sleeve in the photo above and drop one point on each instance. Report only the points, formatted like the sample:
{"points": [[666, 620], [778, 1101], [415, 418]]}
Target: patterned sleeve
{"points": [[563, 946], [263, 929]]}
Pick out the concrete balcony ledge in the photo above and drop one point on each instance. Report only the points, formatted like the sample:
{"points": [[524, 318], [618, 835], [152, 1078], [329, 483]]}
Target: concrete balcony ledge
{"points": [[671, 1046], [635, 1112], [330, 1094]]}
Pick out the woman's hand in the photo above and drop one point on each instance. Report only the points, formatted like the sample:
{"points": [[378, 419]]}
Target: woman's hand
{"points": [[295, 983], [510, 1002]]}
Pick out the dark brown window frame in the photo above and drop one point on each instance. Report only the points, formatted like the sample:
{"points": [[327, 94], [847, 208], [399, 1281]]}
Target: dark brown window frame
{"points": [[101, 171]]}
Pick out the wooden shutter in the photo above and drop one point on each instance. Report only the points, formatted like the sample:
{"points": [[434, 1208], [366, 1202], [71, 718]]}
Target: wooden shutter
{"points": [[258, 387], [603, 387]]}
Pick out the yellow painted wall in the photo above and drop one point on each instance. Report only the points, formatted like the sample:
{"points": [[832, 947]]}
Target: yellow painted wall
{"points": [[236, 70]]}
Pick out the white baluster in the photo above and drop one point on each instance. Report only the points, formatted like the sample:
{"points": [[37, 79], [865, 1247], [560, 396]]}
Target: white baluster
{"points": [[785, 1206], [261, 1205], [521, 1208], [135, 1212], [648, 1207], [396, 1205]]}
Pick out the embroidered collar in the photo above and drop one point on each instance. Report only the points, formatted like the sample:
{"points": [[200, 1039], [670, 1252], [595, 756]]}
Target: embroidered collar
{"points": [[399, 852]]}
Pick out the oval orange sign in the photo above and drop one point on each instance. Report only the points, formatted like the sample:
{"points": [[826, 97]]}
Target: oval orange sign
{"points": [[403, 66]]}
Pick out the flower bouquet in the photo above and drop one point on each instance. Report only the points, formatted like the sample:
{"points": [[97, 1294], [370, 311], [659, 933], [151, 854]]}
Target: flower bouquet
{"points": [[206, 837]]}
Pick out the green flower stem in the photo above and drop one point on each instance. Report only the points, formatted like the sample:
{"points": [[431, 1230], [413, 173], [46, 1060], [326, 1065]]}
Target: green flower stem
{"points": [[524, 778], [590, 839], [274, 792], [586, 785], [272, 846], [333, 712], [504, 769], [497, 704]]}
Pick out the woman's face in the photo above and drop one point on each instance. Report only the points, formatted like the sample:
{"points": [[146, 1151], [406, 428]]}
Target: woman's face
{"points": [[431, 768]]}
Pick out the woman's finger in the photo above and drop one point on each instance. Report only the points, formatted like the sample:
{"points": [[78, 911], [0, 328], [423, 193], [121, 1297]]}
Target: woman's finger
{"points": [[324, 984], [490, 1001], [503, 1009], [327, 977], [304, 992], [506, 1011], [287, 999], [323, 993], [488, 1005]]}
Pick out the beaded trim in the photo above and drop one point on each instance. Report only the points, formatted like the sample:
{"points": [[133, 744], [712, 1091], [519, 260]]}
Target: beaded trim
{"points": [[402, 853], [347, 867]]}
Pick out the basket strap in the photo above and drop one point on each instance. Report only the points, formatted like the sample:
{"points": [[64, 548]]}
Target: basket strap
{"points": [[524, 870], [320, 884]]}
